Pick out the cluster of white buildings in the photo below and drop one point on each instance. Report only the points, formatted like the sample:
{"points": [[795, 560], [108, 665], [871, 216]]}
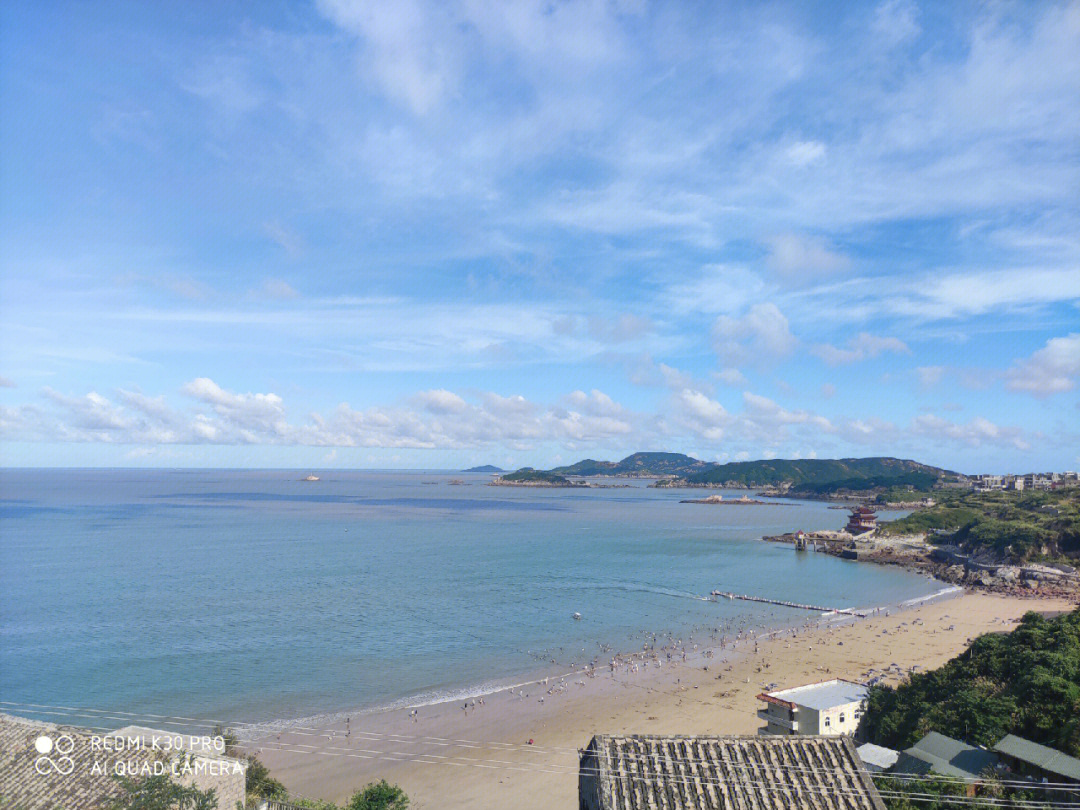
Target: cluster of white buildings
{"points": [[1050, 480]]}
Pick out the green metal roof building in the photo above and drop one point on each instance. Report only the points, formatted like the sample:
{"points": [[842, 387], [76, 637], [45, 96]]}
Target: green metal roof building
{"points": [[946, 756], [1041, 762]]}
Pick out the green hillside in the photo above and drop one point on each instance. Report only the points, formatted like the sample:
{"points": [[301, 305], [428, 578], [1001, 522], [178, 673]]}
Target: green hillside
{"points": [[1026, 682], [1018, 526], [819, 475], [639, 464]]}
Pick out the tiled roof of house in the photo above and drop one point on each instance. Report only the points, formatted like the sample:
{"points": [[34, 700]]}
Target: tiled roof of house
{"points": [[47, 786], [78, 773], [724, 773]]}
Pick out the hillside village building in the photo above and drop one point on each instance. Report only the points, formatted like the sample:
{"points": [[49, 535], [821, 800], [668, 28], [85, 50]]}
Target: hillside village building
{"points": [[829, 708], [724, 773]]}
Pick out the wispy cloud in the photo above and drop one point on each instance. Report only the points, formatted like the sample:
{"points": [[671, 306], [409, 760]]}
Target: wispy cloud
{"points": [[861, 347], [372, 203]]}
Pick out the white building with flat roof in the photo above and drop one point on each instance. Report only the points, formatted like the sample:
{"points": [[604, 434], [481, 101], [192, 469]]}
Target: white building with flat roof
{"points": [[829, 707]]}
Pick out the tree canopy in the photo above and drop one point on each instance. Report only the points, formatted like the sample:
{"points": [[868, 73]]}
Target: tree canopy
{"points": [[1026, 682]]}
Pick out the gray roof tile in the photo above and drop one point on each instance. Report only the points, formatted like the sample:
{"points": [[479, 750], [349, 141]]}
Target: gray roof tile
{"points": [[724, 773]]}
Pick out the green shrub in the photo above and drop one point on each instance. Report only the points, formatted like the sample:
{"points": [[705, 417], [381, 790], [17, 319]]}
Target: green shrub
{"points": [[379, 795]]}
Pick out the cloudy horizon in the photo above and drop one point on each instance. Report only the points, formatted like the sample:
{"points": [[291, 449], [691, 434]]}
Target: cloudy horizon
{"points": [[435, 235]]}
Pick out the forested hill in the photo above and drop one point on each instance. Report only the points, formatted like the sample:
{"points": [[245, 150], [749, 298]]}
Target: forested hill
{"points": [[639, 464], [822, 474], [809, 477], [1026, 682]]}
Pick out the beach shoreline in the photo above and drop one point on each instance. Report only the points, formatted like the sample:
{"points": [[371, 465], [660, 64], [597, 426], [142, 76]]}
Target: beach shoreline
{"points": [[468, 753], [555, 671]]}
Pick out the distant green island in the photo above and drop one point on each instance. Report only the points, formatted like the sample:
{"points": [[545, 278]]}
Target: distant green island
{"points": [[638, 465], [486, 468], [529, 477], [887, 479], [823, 476]]}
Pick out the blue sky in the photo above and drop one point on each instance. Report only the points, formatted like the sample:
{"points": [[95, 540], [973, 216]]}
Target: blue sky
{"points": [[415, 234]]}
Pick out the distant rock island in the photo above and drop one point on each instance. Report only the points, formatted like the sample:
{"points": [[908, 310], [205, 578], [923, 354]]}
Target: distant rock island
{"points": [[486, 468], [719, 499]]}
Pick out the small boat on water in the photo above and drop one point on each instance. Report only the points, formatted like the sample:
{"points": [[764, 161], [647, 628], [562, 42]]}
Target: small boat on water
{"points": [[577, 617], [311, 477]]}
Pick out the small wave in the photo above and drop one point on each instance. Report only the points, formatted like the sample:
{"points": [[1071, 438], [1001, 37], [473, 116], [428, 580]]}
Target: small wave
{"points": [[947, 590], [632, 587], [260, 730]]}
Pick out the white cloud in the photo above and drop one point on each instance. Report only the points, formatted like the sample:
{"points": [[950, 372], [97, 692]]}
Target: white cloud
{"points": [[419, 53], [974, 293], [92, 411], [617, 329], [251, 414], [411, 50], [441, 401], [705, 417], [761, 334], [277, 288], [1053, 369], [290, 240], [803, 153], [799, 257], [861, 347], [643, 370], [440, 419], [976, 433], [731, 376], [717, 288], [896, 21], [929, 376], [765, 420], [595, 403]]}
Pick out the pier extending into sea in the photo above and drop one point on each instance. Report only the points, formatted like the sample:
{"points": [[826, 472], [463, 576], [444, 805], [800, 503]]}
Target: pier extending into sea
{"points": [[816, 608]]}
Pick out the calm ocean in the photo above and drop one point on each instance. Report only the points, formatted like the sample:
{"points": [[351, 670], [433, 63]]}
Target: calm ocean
{"points": [[253, 595]]}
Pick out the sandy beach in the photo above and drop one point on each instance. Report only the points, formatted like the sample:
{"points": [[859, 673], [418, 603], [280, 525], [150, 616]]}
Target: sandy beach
{"points": [[478, 755]]}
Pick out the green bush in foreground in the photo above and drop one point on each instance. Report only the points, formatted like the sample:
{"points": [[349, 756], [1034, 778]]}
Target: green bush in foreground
{"points": [[258, 784], [379, 795], [938, 794], [160, 793]]}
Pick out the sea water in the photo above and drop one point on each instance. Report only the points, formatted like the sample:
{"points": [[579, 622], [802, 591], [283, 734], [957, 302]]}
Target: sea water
{"points": [[255, 595]]}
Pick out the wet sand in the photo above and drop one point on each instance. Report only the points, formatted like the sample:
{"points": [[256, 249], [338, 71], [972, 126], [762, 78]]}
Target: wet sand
{"points": [[480, 757]]}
